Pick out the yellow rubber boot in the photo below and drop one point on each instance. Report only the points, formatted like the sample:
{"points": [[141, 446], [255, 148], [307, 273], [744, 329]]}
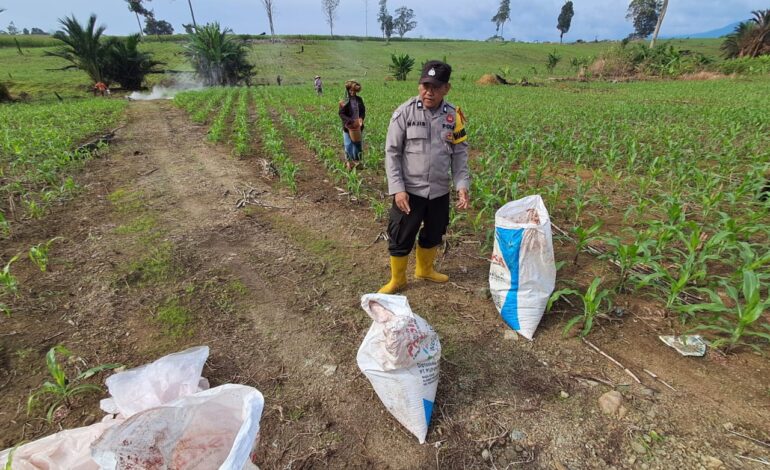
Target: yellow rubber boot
{"points": [[424, 269], [397, 275]]}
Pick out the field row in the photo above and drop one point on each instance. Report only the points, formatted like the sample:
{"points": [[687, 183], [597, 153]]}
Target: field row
{"points": [[666, 179]]}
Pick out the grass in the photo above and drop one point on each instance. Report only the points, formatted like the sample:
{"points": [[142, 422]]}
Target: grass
{"points": [[126, 201], [156, 267], [335, 60], [142, 224], [174, 318]]}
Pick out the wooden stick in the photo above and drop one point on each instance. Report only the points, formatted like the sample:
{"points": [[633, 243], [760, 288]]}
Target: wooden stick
{"points": [[756, 441], [762, 461], [613, 360], [651, 374]]}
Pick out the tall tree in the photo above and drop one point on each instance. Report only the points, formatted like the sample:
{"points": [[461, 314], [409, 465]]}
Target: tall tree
{"points": [[12, 29], [137, 8], [659, 22], [644, 14], [502, 16], [192, 14], [157, 27], [404, 21], [329, 8], [269, 4], [565, 19], [385, 20]]}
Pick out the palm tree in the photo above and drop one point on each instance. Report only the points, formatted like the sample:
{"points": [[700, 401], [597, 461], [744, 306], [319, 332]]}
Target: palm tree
{"points": [[126, 65], [750, 38], [83, 47], [218, 58]]}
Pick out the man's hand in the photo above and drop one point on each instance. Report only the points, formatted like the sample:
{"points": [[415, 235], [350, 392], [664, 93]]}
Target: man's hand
{"points": [[402, 202], [464, 200]]}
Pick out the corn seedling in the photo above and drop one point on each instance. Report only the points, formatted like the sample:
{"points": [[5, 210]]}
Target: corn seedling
{"points": [[627, 255], [62, 389], [38, 254], [583, 237], [736, 317], [8, 281], [592, 299]]}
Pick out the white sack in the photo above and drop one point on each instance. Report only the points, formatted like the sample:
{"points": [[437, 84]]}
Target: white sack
{"points": [[522, 273], [400, 357], [215, 428]]}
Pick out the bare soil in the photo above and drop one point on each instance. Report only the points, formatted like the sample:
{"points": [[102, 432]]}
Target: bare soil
{"points": [[273, 289]]}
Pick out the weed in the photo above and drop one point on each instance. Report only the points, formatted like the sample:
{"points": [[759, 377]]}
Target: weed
{"points": [[62, 389], [142, 224], [155, 267], [174, 318]]}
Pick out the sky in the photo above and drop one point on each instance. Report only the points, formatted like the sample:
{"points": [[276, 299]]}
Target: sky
{"points": [[533, 20]]}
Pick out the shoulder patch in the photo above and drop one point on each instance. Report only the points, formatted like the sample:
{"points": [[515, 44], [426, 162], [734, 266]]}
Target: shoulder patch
{"points": [[395, 115]]}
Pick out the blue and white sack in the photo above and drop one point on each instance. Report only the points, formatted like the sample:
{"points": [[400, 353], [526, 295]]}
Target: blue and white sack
{"points": [[522, 272], [400, 357]]}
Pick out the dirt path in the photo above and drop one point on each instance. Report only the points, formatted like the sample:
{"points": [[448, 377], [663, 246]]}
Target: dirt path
{"points": [[156, 258]]}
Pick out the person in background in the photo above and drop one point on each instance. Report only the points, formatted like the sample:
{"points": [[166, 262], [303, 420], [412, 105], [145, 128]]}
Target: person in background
{"points": [[352, 112], [318, 85], [101, 89], [426, 141]]}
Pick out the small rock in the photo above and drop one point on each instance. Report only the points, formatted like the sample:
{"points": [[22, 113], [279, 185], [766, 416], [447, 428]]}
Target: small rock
{"points": [[610, 402], [518, 448], [483, 293], [329, 369], [89, 420], [510, 335], [485, 454], [622, 411], [563, 394], [517, 436], [728, 426], [647, 392], [631, 460], [638, 447], [712, 462]]}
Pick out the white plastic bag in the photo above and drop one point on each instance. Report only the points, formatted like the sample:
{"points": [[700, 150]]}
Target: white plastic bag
{"points": [[400, 357], [208, 429], [168, 378], [69, 449], [522, 273], [215, 428]]}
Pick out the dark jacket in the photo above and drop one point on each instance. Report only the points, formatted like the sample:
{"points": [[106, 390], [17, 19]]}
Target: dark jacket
{"points": [[346, 113]]}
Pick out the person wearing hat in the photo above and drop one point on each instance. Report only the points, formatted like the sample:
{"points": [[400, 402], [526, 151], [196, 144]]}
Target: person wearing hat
{"points": [[352, 112], [318, 85], [426, 141]]}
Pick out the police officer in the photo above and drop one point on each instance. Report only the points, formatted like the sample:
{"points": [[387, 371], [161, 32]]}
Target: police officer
{"points": [[426, 141]]}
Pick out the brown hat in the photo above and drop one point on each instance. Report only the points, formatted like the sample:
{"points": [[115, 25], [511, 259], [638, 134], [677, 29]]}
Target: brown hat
{"points": [[435, 72]]}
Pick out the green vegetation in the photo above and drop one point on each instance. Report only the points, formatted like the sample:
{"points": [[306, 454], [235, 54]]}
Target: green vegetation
{"points": [[38, 150], [63, 389], [115, 59], [174, 318], [38, 254], [218, 57]]}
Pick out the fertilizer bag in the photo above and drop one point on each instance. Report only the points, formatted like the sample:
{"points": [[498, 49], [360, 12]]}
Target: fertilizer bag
{"points": [[522, 273], [400, 357]]}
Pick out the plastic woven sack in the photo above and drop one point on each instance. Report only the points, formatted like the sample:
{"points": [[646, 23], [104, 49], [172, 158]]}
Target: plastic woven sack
{"points": [[522, 272], [400, 357]]}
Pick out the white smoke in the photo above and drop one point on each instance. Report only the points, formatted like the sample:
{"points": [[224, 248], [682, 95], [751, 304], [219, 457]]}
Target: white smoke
{"points": [[181, 82]]}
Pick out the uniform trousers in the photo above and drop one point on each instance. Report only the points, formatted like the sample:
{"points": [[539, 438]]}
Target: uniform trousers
{"points": [[430, 214]]}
